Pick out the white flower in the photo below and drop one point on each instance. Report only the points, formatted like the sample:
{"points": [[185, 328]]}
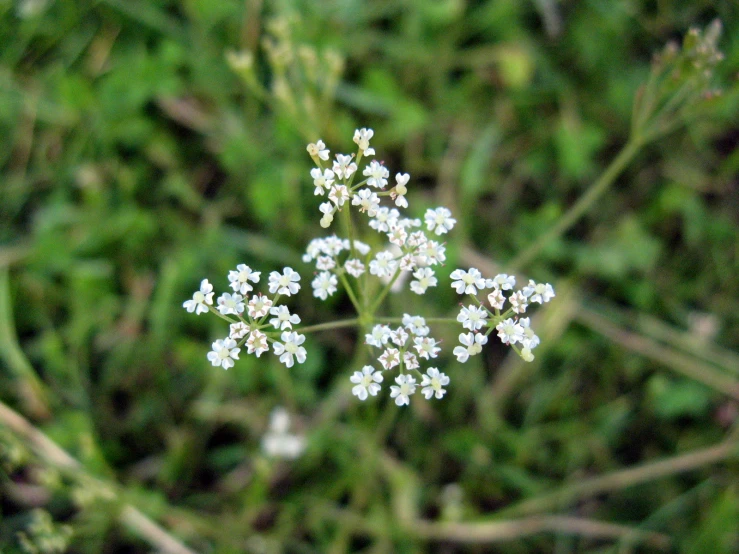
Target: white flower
{"points": [[502, 281], [239, 278], [384, 219], [354, 267], [538, 292], [467, 281], [407, 263], [322, 180], [472, 345], [417, 239], [410, 360], [278, 442], [383, 265], [286, 284], [509, 331], [283, 319], [424, 279], [231, 304], [257, 343], [327, 209], [530, 340], [362, 138], [400, 189], [201, 299], [426, 347], [472, 318], [318, 149], [238, 330], [433, 382], [397, 235], [433, 252], [332, 246], [367, 202], [380, 335], [325, 263], [496, 299], [291, 348], [518, 302], [403, 392], [399, 336], [440, 219], [366, 382], [415, 324], [389, 358], [324, 285], [259, 306], [360, 247], [224, 353], [377, 174], [343, 166], [527, 355], [339, 194]]}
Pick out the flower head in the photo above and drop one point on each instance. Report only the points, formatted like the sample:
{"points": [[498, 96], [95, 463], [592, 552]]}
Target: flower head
{"points": [[240, 278], [283, 318], [324, 285], [433, 382], [362, 138], [467, 282], [440, 220], [318, 150], [224, 353], [285, 283], [231, 304], [201, 299], [402, 393], [291, 348], [366, 382], [472, 317], [538, 292]]}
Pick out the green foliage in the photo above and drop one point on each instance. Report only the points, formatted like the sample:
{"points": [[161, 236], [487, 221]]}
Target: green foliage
{"points": [[147, 144]]}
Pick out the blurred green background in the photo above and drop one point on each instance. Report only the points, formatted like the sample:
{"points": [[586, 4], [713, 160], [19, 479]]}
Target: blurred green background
{"points": [[147, 145]]}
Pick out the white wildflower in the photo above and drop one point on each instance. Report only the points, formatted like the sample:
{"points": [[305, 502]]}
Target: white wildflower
{"points": [[433, 382], [201, 299], [366, 382]]}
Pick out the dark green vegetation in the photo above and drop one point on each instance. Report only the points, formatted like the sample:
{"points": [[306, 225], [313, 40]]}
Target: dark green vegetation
{"points": [[138, 157]]}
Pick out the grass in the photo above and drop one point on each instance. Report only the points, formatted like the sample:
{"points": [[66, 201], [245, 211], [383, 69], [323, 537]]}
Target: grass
{"points": [[144, 150]]}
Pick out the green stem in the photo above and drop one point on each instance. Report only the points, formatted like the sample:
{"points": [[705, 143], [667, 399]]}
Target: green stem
{"points": [[585, 202], [385, 292], [330, 325], [350, 292], [619, 480]]}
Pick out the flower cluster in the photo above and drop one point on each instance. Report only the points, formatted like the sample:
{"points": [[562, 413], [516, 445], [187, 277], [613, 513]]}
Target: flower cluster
{"points": [[401, 347], [408, 251], [480, 319], [248, 316]]}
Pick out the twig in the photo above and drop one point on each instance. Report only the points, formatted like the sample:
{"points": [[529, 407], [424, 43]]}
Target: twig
{"points": [[54, 455], [619, 480], [501, 531]]}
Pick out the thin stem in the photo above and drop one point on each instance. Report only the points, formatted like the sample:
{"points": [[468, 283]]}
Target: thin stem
{"points": [[350, 292], [501, 531], [619, 480], [385, 291], [427, 319], [55, 456], [585, 202], [330, 325], [346, 218]]}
